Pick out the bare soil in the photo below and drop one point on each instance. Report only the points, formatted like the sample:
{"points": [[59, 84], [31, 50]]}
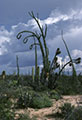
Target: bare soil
{"points": [[47, 113]]}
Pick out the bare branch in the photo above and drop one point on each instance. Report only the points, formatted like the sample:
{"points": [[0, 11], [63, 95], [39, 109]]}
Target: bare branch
{"points": [[74, 71], [45, 30]]}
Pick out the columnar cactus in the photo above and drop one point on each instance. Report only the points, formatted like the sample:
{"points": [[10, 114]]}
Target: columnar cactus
{"points": [[35, 59], [17, 65], [38, 36], [33, 74], [38, 72], [3, 74]]}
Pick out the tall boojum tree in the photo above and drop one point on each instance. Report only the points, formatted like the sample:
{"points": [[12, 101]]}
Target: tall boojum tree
{"points": [[48, 67], [73, 68], [38, 36]]}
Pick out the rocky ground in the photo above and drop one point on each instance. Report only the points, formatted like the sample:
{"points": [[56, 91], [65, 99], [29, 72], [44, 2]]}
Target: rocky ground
{"points": [[47, 113]]}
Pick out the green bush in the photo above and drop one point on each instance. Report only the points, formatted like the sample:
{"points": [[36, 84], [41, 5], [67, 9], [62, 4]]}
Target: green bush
{"points": [[66, 110], [68, 85], [7, 113], [34, 100], [40, 101], [5, 109], [23, 100], [76, 114], [25, 117], [55, 95]]}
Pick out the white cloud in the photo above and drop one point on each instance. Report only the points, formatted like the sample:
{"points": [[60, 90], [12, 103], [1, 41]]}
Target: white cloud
{"points": [[4, 37], [56, 16], [77, 53], [10, 46]]}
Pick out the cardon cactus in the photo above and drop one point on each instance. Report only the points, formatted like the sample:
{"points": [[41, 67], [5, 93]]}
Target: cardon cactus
{"points": [[3, 74], [17, 65], [33, 74], [40, 37]]}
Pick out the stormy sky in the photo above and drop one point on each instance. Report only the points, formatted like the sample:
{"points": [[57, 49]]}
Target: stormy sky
{"points": [[59, 15]]}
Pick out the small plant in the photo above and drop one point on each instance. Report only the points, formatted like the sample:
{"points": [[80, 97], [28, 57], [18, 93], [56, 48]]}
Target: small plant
{"points": [[23, 100], [40, 101], [33, 74], [25, 117], [55, 95], [17, 62], [5, 109], [65, 84], [33, 100], [66, 110], [76, 114], [69, 112], [3, 74]]}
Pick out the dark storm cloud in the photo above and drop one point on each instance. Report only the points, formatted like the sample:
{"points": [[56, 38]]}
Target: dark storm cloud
{"points": [[57, 14], [15, 11], [5, 59]]}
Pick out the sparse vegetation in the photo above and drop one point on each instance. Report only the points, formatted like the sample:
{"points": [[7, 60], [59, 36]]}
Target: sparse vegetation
{"points": [[76, 114], [38, 90], [69, 112], [66, 110], [49, 67]]}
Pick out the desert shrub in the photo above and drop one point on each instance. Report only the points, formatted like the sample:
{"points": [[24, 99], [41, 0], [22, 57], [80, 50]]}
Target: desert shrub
{"points": [[5, 109], [25, 80], [7, 89], [8, 113], [39, 87], [55, 95], [68, 85], [66, 110], [13, 82], [23, 100], [76, 114], [80, 80], [40, 101], [25, 117], [64, 85], [33, 100]]}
